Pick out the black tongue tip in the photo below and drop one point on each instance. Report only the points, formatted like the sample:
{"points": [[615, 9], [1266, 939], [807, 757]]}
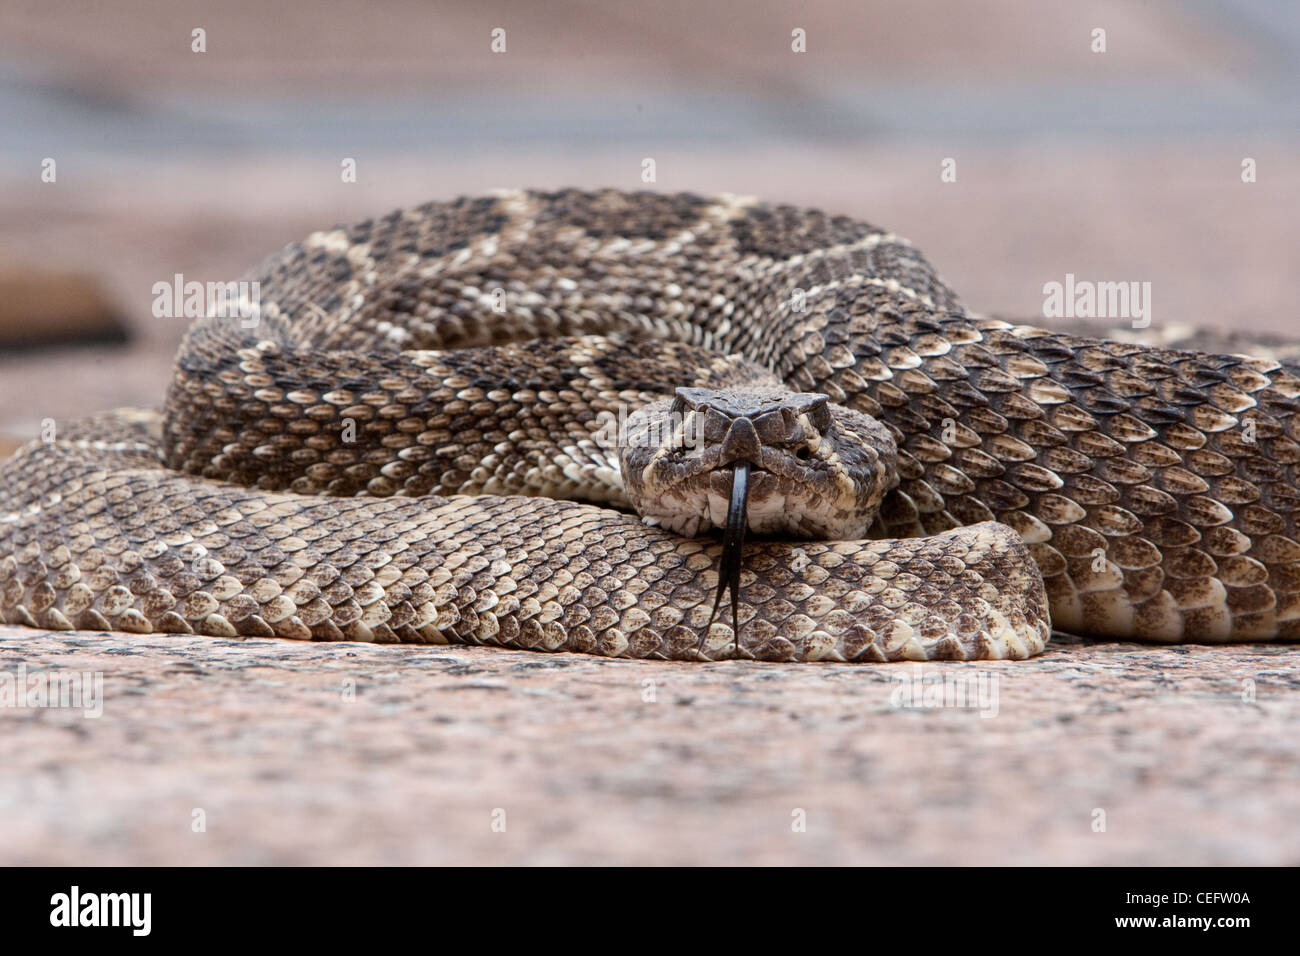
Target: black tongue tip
{"points": [[733, 539]]}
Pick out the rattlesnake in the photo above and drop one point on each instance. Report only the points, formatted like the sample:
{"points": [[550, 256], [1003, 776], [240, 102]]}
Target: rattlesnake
{"points": [[408, 444]]}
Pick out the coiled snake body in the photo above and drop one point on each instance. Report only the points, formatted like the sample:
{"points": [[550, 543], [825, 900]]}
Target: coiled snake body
{"points": [[409, 445]]}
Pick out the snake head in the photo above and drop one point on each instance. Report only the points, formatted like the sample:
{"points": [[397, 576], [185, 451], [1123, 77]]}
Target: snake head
{"points": [[761, 459], [815, 469]]}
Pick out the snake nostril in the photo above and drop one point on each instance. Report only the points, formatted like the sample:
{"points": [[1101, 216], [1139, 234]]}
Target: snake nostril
{"points": [[803, 453]]}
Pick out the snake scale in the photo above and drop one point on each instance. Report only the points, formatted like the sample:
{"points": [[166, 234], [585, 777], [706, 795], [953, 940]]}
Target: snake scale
{"points": [[411, 444]]}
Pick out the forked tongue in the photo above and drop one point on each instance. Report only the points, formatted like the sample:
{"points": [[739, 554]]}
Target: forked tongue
{"points": [[733, 537]]}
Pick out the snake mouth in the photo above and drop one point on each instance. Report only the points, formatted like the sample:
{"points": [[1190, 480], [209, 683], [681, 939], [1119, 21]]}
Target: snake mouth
{"points": [[733, 539]]}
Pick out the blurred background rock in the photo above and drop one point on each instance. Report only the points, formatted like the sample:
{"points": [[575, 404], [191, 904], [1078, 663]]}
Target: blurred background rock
{"points": [[1123, 165]]}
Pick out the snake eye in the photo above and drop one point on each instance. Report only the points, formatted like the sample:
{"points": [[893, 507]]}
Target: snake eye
{"points": [[820, 415]]}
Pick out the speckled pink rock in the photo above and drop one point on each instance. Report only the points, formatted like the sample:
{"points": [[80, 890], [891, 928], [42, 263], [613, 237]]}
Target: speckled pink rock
{"points": [[230, 752]]}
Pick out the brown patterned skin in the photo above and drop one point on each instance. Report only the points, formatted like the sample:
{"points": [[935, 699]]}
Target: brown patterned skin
{"points": [[1154, 488], [128, 544]]}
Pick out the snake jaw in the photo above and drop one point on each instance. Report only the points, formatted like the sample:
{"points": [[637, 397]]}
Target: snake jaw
{"points": [[733, 539]]}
